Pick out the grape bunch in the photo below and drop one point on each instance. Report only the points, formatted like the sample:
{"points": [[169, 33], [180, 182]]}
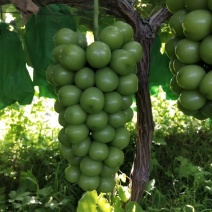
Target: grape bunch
{"points": [[190, 53], [95, 85]]}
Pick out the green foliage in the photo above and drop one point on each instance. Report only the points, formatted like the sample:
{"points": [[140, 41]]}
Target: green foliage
{"points": [[13, 67], [155, 79], [32, 170], [181, 169]]}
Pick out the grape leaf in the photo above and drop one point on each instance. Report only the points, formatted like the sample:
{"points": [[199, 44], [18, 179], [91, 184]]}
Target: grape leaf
{"points": [[88, 202]]}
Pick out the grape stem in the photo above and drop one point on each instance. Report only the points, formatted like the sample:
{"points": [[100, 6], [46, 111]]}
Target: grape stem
{"points": [[96, 20]]}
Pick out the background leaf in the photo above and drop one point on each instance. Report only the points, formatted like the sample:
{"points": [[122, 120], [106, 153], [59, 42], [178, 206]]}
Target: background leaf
{"points": [[133, 207]]}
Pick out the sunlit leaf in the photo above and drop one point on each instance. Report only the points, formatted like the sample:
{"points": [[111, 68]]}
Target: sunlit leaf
{"points": [[117, 201], [103, 205], [123, 177], [88, 202], [124, 193]]}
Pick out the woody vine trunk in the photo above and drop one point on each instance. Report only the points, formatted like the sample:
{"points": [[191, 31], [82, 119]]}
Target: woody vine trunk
{"points": [[144, 33]]}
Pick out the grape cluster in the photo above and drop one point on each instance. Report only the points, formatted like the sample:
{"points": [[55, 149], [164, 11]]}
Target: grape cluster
{"points": [[95, 85], [190, 53]]}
